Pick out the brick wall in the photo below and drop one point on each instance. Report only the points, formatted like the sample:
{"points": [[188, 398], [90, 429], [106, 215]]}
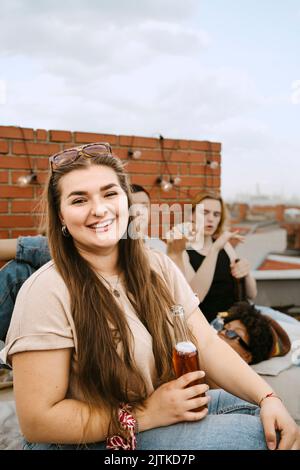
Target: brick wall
{"points": [[22, 149]]}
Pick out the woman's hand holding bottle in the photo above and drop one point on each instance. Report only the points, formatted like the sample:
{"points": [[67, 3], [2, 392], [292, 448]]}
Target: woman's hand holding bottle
{"points": [[240, 268], [175, 401]]}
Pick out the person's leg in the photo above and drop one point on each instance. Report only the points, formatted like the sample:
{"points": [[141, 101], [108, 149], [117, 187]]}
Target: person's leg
{"points": [[232, 424], [33, 250], [12, 276]]}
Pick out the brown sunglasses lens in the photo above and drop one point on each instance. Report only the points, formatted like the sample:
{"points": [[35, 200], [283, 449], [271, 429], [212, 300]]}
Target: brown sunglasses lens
{"points": [[94, 150], [64, 158]]}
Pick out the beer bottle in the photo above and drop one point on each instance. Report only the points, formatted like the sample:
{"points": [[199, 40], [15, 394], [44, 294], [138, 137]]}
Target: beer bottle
{"points": [[185, 355], [239, 288]]}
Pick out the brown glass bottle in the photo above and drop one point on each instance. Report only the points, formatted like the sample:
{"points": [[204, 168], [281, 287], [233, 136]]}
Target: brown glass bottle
{"points": [[239, 287], [185, 355]]}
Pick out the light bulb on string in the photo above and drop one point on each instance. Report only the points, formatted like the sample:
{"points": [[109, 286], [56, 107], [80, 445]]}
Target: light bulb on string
{"points": [[177, 181], [165, 185], [25, 180], [134, 154], [213, 165]]}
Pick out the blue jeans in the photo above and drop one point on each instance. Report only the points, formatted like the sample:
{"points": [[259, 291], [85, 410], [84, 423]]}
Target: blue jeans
{"points": [[232, 424], [32, 253]]}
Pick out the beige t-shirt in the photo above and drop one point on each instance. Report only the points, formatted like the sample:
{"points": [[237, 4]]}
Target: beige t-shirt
{"points": [[42, 318]]}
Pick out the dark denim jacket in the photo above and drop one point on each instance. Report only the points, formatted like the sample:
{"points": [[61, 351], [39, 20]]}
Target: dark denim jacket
{"points": [[32, 253]]}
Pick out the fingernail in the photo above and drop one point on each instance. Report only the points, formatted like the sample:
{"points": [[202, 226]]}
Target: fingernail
{"points": [[271, 445]]}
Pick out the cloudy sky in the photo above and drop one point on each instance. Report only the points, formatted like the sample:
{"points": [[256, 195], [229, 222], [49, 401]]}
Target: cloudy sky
{"points": [[221, 70]]}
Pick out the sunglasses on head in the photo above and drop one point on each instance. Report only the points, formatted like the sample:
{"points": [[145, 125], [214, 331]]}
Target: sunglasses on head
{"points": [[68, 156], [231, 334]]}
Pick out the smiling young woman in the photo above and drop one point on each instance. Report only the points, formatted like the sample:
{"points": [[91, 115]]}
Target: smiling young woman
{"points": [[89, 364]]}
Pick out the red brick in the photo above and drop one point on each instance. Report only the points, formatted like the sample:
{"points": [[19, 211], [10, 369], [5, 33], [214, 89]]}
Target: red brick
{"points": [[23, 206], [3, 146], [172, 144], [15, 162], [41, 163], [3, 177], [204, 145], [142, 167], [3, 206], [183, 144], [11, 132], [192, 181], [173, 194], [68, 146], [126, 140], [42, 177], [216, 182], [10, 221], [87, 137], [154, 155], [193, 157], [16, 191], [198, 169], [193, 192], [41, 134], [139, 142], [35, 149], [209, 182], [4, 234], [143, 179], [60, 136], [24, 232], [184, 168]]}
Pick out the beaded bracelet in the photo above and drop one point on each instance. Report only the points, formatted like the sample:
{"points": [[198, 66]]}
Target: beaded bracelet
{"points": [[269, 395]]}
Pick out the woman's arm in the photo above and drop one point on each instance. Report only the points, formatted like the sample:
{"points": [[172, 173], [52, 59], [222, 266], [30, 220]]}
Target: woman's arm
{"points": [[225, 367], [41, 380], [8, 249]]}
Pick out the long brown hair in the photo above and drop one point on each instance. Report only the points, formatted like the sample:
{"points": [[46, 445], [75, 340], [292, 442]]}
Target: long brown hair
{"points": [[104, 376], [200, 197]]}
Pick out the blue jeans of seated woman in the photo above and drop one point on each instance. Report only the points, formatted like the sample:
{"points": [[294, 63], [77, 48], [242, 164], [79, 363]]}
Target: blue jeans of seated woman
{"points": [[32, 253], [232, 424]]}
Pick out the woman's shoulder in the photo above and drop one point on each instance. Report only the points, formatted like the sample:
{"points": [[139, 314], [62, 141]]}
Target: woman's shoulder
{"points": [[158, 260], [46, 279]]}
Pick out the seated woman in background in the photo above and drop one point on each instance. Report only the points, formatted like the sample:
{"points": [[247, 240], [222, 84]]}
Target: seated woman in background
{"points": [[213, 269], [91, 337]]}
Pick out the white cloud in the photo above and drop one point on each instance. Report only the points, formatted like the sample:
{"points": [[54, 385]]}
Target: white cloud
{"points": [[144, 68]]}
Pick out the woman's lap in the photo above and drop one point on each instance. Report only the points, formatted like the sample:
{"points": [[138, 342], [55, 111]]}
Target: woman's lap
{"points": [[232, 424]]}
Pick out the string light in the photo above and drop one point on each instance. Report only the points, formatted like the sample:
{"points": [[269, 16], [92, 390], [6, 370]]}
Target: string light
{"points": [[212, 164], [135, 154], [25, 180], [177, 181], [165, 185]]}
